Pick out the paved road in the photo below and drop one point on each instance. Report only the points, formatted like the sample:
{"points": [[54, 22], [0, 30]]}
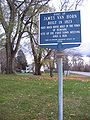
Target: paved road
{"points": [[81, 73]]}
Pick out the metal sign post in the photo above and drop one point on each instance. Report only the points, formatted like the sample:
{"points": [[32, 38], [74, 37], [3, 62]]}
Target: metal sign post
{"points": [[60, 85], [59, 31]]}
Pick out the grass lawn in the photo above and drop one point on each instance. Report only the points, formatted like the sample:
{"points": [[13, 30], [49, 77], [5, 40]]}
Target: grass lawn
{"points": [[28, 97]]}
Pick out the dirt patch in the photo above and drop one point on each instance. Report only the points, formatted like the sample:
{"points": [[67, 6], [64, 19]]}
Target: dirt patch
{"points": [[55, 77], [77, 77]]}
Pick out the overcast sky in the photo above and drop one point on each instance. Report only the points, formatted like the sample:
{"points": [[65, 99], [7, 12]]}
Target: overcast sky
{"points": [[85, 24]]}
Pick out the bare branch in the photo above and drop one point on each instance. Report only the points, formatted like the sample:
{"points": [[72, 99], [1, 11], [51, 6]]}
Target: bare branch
{"points": [[78, 3], [2, 20], [69, 5]]}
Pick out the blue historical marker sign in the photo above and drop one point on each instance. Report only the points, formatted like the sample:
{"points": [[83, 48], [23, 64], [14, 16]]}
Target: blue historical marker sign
{"points": [[60, 30]]}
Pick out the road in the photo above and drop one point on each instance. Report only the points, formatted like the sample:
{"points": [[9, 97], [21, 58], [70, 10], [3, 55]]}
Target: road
{"points": [[81, 73]]}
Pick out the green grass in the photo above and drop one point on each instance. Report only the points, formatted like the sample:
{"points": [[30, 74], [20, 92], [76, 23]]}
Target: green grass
{"points": [[28, 97], [76, 100]]}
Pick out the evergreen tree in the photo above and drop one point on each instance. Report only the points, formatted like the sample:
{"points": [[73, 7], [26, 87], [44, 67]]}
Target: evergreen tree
{"points": [[21, 61]]}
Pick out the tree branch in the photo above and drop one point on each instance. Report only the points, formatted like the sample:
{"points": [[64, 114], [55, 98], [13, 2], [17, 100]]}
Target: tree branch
{"points": [[2, 20], [46, 56], [78, 3]]}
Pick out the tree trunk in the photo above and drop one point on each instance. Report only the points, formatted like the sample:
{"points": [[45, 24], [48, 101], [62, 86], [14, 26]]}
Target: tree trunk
{"points": [[9, 59], [51, 71], [37, 69]]}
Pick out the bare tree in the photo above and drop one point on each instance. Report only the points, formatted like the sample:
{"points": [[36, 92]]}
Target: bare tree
{"points": [[66, 5], [77, 62], [15, 15], [39, 54]]}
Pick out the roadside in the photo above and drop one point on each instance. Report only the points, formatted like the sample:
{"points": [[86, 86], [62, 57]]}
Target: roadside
{"points": [[81, 73]]}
